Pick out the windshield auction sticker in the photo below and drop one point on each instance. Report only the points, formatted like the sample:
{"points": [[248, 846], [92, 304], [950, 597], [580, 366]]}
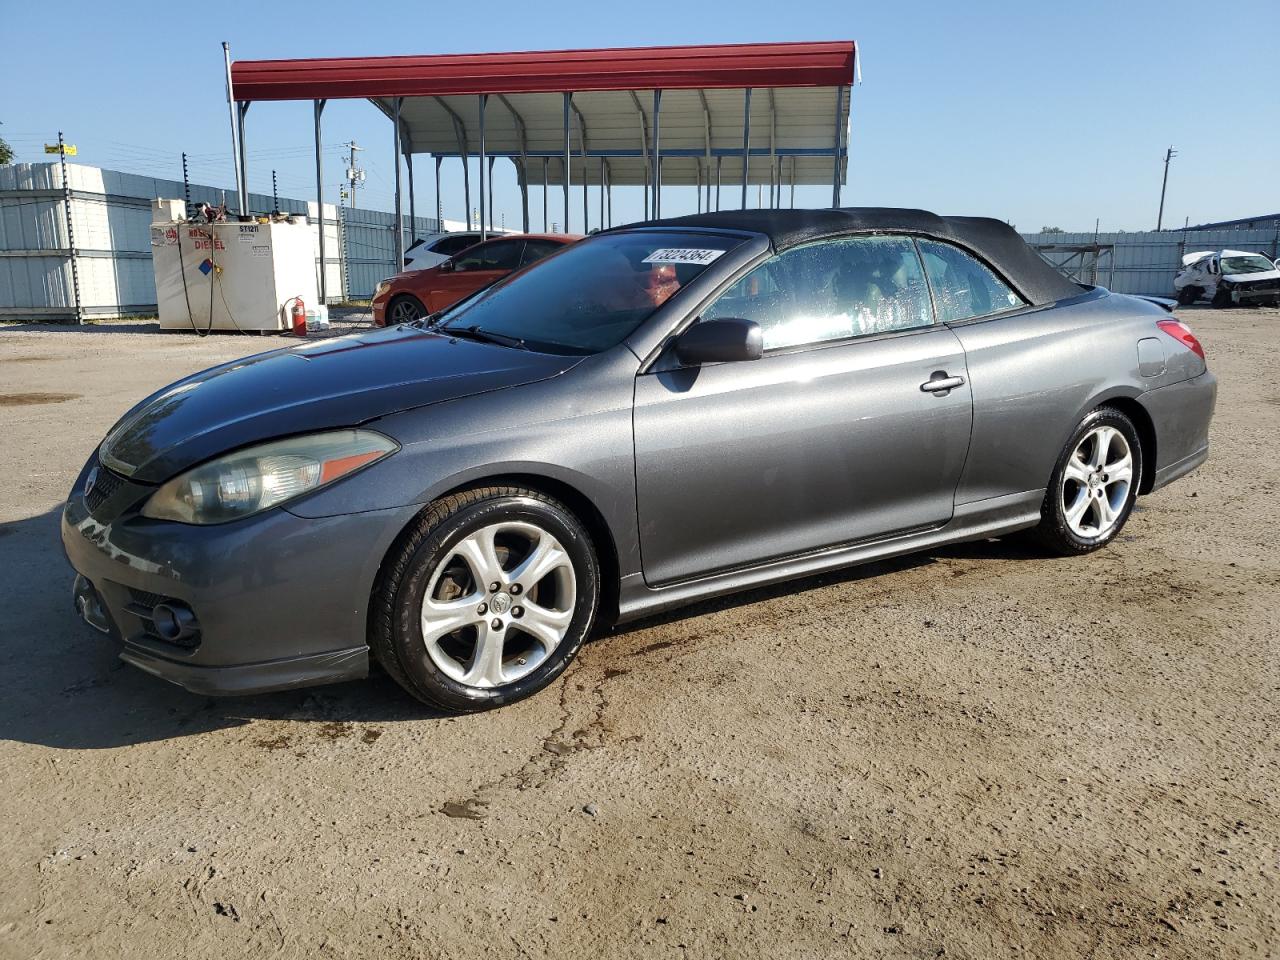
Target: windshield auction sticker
{"points": [[682, 255]]}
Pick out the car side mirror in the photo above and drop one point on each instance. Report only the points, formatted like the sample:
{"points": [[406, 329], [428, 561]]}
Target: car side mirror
{"points": [[448, 266], [1278, 263], [720, 341]]}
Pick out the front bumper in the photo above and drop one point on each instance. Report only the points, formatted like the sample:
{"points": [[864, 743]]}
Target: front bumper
{"points": [[278, 601], [378, 307], [1251, 294]]}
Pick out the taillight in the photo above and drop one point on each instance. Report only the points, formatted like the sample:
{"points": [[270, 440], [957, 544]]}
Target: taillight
{"points": [[1182, 333]]}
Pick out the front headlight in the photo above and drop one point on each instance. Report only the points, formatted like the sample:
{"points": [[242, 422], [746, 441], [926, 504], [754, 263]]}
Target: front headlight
{"points": [[382, 287], [251, 480]]}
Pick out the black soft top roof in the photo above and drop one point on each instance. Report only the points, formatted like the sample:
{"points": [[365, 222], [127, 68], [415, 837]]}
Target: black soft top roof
{"points": [[990, 240]]}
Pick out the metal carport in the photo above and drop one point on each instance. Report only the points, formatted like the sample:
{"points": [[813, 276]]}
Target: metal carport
{"points": [[709, 116]]}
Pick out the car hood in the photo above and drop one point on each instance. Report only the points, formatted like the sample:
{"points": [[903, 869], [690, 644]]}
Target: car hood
{"points": [[417, 273], [329, 384], [1252, 277]]}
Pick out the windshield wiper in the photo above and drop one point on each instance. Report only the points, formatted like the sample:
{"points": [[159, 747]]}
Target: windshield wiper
{"points": [[486, 336]]}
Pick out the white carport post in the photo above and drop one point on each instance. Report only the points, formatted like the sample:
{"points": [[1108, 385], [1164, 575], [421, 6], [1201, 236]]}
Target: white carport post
{"points": [[746, 142], [706, 129], [545, 189], [439, 202], [492, 218], [396, 152], [835, 175], [644, 148], [460, 134], [522, 166], [244, 170], [483, 100], [568, 103], [318, 106], [586, 178], [773, 151], [413, 211], [237, 154], [657, 154]]}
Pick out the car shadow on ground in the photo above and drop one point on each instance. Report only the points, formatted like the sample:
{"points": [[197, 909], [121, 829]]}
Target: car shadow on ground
{"points": [[67, 689]]}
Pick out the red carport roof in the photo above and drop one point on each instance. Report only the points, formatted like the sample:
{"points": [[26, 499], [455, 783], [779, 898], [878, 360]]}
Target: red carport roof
{"points": [[727, 66]]}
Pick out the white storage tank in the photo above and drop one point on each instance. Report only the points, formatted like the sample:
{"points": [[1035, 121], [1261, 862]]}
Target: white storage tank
{"points": [[231, 276]]}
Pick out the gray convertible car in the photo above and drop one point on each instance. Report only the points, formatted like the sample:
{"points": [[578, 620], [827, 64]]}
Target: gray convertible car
{"points": [[657, 414]]}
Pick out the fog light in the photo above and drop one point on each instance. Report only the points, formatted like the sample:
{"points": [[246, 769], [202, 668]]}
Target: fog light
{"points": [[174, 622]]}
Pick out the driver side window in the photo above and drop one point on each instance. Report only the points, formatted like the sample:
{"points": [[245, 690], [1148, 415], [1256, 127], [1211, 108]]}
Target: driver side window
{"points": [[831, 290]]}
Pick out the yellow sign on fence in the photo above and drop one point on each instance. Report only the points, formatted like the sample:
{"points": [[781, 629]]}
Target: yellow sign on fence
{"points": [[68, 148]]}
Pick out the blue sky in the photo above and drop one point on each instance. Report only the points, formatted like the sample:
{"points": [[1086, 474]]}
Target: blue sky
{"points": [[1037, 113]]}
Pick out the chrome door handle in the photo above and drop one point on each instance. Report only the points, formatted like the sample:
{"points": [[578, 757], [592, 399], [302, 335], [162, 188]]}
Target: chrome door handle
{"points": [[941, 383]]}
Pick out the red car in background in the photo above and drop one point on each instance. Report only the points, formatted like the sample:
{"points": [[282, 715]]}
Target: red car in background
{"points": [[419, 293]]}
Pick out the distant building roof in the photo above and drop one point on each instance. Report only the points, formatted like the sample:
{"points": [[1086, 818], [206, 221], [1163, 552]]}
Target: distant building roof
{"points": [[1244, 223]]}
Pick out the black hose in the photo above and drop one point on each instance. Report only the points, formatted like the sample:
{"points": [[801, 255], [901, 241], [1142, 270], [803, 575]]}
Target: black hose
{"points": [[186, 294]]}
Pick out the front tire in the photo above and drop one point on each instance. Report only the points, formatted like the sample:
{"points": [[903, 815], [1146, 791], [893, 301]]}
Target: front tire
{"points": [[1189, 295], [405, 309], [1094, 485], [485, 599], [1221, 298]]}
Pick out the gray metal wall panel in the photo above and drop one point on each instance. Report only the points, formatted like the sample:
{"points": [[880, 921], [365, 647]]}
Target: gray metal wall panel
{"points": [[1147, 262], [111, 216]]}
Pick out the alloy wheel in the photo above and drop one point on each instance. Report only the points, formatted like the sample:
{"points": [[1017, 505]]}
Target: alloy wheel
{"points": [[1096, 482], [405, 310], [498, 604]]}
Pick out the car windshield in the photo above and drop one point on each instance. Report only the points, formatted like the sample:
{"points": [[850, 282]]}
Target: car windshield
{"points": [[593, 294], [1249, 264]]}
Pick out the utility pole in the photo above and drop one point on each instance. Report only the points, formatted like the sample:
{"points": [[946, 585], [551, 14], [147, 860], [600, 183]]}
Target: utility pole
{"points": [[1168, 155], [355, 175]]}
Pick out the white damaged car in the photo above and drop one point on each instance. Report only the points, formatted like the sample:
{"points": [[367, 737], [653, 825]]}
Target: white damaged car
{"points": [[1228, 278]]}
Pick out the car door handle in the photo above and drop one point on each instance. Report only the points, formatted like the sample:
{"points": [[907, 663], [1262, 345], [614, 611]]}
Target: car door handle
{"points": [[941, 383]]}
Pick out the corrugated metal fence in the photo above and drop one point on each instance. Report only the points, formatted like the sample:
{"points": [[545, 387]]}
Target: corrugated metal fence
{"points": [[111, 219], [1143, 263]]}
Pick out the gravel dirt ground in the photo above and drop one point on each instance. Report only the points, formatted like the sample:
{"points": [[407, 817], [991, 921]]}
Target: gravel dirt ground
{"points": [[977, 752]]}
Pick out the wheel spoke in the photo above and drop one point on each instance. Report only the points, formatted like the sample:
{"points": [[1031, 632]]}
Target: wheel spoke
{"points": [[1101, 446], [485, 669], [1077, 470], [1074, 512], [441, 617], [545, 625], [1121, 471], [481, 555], [546, 556], [1106, 515]]}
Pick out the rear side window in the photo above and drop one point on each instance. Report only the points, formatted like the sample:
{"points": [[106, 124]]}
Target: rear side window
{"points": [[448, 246], [537, 249], [831, 290], [963, 288]]}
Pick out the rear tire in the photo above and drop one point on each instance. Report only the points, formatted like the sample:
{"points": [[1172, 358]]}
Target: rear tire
{"points": [[1094, 485], [485, 598]]}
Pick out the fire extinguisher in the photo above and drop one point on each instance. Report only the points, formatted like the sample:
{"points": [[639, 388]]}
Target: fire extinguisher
{"points": [[299, 314]]}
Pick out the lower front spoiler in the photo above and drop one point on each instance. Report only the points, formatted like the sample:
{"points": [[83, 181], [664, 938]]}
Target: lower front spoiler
{"points": [[216, 681]]}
